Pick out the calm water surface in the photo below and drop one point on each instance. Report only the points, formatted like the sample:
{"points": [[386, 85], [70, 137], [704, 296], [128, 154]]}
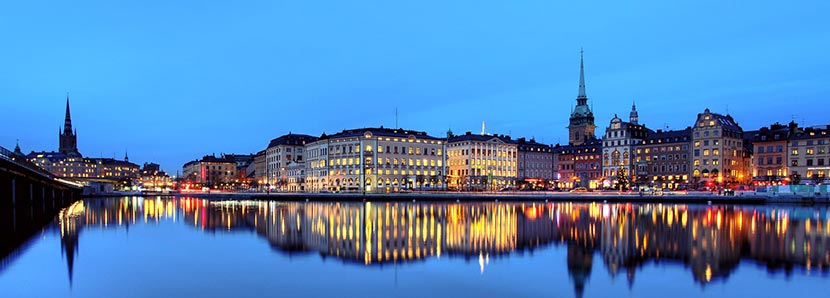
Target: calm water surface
{"points": [[166, 247]]}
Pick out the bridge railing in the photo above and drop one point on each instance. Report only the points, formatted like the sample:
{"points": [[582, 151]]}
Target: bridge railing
{"points": [[23, 162]]}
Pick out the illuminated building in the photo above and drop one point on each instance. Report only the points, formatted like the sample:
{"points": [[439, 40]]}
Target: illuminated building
{"points": [[210, 171], [375, 159], [535, 164], [259, 169], [662, 159], [68, 162], [808, 155], [618, 148], [718, 157], [482, 161], [284, 151], [153, 178], [579, 165], [581, 128], [770, 146]]}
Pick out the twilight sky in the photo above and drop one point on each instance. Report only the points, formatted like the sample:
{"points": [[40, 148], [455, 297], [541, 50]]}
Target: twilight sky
{"points": [[171, 81]]}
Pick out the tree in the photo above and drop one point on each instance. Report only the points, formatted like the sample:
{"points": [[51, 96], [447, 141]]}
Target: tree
{"points": [[795, 179], [622, 179], [817, 179]]}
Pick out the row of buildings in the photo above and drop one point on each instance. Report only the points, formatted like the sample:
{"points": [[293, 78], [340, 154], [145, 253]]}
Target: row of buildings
{"points": [[102, 174], [713, 152]]}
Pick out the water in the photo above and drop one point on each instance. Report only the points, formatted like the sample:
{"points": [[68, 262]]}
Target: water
{"points": [[166, 247]]}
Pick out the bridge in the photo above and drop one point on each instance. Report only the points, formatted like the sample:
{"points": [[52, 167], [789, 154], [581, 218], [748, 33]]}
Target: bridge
{"points": [[30, 197]]}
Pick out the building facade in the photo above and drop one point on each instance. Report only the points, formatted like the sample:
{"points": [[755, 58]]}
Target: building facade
{"points": [[809, 155], [770, 147], [375, 160], [662, 159], [535, 164], [154, 179], [579, 165], [718, 157], [618, 149], [282, 152], [482, 162], [259, 170], [211, 172]]}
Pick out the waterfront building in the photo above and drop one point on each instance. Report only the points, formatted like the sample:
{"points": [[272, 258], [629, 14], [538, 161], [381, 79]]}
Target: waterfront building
{"points": [[618, 148], [718, 157], [153, 178], [482, 161], [581, 126], [809, 155], [375, 160], [563, 157], [68, 162], [243, 161], [295, 176], [770, 161], [579, 165], [662, 159], [210, 171], [535, 164], [281, 152], [259, 169]]}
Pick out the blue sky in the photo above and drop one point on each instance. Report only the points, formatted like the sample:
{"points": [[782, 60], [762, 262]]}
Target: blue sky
{"points": [[171, 81]]}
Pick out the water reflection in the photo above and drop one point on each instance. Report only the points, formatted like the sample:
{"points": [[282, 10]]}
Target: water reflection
{"points": [[708, 240]]}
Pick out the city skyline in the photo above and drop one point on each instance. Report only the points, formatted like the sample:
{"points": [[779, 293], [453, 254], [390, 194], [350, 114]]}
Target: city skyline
{"points": [[170, 96]]}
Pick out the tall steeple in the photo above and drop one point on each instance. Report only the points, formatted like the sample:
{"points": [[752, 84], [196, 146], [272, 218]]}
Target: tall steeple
{"points": [[68, 140], [581, 127], [581, 94], [67, 122], [633, 117]]}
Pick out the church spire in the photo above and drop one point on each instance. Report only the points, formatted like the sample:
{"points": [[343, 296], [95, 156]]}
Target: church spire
{"points": [[67, 122], [581, 76], [633, 117]]}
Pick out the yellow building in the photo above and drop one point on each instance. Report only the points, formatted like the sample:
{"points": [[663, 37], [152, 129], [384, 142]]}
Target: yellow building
{"points": [[481, 162], [375, 160]]}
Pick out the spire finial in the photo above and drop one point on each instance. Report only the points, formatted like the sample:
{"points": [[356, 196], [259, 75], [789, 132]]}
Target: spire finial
{"points": [[482, 128], [581, 74]]}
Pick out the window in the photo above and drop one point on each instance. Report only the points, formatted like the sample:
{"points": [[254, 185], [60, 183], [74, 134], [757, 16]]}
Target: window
{"points": [[794, 152], [760, 149], [697, 152], [794, 162]]}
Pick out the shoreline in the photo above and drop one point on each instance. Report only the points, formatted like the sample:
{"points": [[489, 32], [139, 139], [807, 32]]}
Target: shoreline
{"points": [[702, 198]]}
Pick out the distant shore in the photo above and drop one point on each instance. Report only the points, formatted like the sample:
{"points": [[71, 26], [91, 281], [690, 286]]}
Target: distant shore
{"points": [[750, 198]]}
